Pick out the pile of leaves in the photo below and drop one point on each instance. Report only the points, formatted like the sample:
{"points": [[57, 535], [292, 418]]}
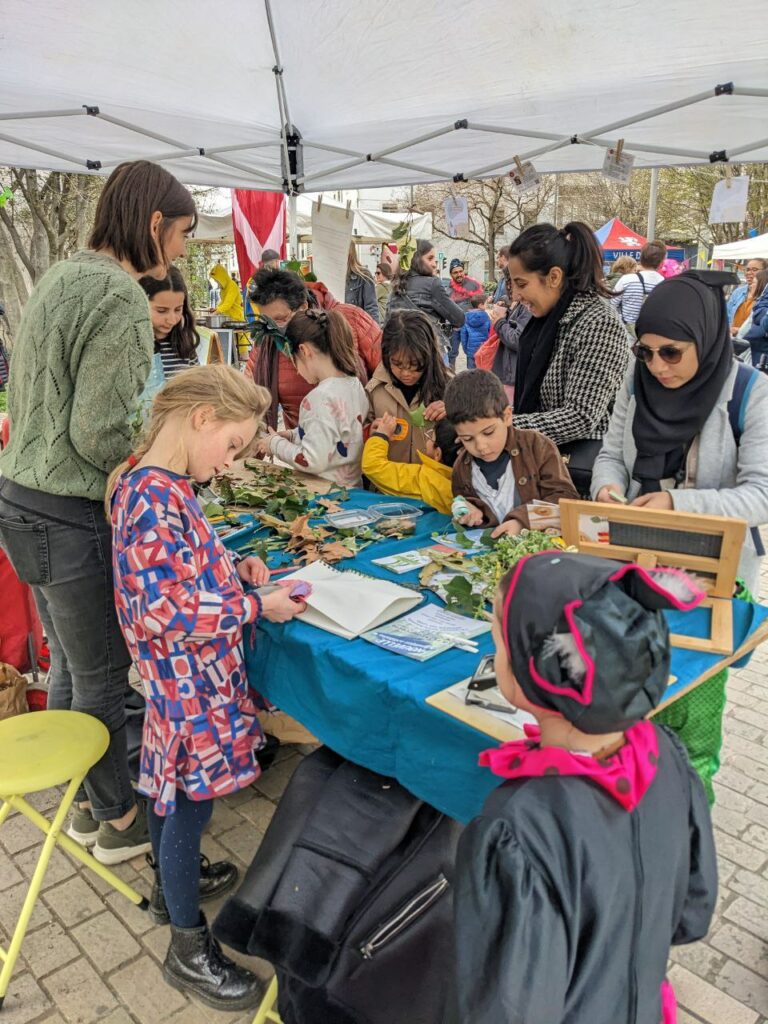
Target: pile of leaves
{"points": [[491, 568], [275, 490], [307, 543]]}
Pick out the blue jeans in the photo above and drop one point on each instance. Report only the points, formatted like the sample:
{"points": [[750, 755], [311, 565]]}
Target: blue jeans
{"points": [[453, 352], [62, 547]]}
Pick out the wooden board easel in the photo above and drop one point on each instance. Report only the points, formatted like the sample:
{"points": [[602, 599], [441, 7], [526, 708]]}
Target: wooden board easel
{"points": [[715, 572]]}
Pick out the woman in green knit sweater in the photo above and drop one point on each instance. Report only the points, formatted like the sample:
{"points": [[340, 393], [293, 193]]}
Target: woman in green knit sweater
{"points": [[82, 355]]}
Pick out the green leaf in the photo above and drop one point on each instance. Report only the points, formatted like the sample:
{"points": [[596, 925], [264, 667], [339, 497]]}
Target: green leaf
{"points": [[487, 539], [460, 598], [416, 416], [462, 539], [212, 510]]}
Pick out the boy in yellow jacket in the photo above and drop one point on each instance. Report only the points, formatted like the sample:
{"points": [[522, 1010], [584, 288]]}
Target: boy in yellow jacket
{"points": [[429, 479]]}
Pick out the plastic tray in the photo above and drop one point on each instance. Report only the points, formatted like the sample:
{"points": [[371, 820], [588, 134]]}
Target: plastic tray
{"points": [[351, 519], [395, 511]]}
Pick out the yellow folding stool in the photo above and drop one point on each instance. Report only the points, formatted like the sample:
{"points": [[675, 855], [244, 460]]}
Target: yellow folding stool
{"points": [[266, 1011], [38, 751]]}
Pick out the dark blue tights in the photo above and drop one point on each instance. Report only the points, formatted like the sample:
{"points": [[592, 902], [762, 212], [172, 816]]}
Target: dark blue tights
{"points": [[176, 848]]}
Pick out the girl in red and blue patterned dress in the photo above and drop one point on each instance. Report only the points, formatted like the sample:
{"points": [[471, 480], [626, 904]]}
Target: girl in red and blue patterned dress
{"points": [[182, 607]]}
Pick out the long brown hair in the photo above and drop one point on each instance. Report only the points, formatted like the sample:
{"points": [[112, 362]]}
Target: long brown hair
{"points": [[329, 332], [230, 394], [354, 266], [133, 192], [412, 333], [184, 339]]}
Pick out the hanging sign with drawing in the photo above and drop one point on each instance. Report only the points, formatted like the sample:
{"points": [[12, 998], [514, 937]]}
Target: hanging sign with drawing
{"points": [[618, 165], [456, 213], [524, 176], [729, 200]]}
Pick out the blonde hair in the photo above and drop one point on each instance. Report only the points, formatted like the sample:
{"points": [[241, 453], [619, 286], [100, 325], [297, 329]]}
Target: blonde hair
{"points": [[624, 265], [231, 395]]}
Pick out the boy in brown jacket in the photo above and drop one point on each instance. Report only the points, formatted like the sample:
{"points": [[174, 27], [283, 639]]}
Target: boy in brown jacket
{"points": [[501, 469]]}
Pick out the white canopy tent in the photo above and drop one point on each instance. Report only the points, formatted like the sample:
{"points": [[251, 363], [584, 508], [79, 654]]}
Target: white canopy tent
{"points": [[746, 249], [368, 226], [334, 94]]}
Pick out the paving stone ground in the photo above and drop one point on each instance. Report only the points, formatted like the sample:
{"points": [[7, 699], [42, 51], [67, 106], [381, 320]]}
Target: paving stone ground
{"points": [[91, 957]]}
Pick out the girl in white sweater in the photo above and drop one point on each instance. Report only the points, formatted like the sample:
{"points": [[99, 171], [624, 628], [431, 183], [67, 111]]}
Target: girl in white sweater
{"points": [[329, 438]]}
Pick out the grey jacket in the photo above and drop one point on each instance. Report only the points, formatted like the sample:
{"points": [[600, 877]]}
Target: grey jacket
{"points": [[428, 295], [730, 481]]}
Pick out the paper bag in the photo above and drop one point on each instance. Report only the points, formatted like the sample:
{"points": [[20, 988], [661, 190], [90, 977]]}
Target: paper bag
{"points": [[13, 692]]}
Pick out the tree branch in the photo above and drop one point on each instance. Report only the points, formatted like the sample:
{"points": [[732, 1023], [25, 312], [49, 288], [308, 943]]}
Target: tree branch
{"points": [[18, 244]]}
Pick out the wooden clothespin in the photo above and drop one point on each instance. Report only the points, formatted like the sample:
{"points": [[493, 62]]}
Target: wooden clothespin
{"points": [[349, 207], [728, 176], [518, 165], [619, 151], [320, 200]]}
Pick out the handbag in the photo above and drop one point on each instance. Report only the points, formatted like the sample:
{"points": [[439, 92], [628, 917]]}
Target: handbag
{"points": [[579, 458], [486, 354]]}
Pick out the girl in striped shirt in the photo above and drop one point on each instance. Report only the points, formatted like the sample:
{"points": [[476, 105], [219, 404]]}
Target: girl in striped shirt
{"points": [[176, 339]]}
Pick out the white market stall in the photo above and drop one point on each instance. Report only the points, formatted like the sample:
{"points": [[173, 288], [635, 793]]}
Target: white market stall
{"points": [[368, 226], [745, 249], [333, 95]]}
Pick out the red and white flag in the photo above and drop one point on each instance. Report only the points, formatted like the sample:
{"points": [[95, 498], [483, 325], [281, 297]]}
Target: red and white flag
{"points": [[258, 220]]}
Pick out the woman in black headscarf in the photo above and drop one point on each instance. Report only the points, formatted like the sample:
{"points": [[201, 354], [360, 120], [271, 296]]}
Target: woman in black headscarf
{"points": [[689, 431]]}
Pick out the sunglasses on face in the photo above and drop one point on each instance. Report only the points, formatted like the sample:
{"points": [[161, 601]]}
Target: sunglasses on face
{"points": [[667, 353]]}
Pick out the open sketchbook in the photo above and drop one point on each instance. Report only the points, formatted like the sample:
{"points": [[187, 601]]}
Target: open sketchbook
{"points": [[348, 603]]}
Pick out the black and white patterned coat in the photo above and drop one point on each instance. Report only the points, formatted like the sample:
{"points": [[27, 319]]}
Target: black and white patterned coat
{"points": [[587, 369]]}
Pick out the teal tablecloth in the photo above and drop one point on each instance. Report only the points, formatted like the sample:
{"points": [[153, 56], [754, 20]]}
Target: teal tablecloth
{"points": [[368, 704]]}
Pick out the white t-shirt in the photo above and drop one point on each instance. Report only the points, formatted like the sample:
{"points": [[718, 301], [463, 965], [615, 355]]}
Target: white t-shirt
{"points": [[630, 294]]}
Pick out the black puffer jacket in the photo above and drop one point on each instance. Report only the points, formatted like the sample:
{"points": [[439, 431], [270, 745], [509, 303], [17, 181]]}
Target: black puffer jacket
{"points": [[428, 295]]}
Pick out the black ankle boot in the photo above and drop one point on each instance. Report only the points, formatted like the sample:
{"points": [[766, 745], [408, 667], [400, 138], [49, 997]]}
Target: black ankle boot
{"points": [[195, 964], [215, 880]]}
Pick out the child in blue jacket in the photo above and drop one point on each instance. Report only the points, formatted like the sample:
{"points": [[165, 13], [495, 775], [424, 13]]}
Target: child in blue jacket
{"points": [[477, 327]]}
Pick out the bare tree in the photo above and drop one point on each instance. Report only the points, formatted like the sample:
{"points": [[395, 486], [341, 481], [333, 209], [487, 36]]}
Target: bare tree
{"points": [[46, 220], [497, 213]]}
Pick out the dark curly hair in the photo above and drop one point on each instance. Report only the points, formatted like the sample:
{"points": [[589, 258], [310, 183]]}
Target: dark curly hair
{"points": [[270, 285]]}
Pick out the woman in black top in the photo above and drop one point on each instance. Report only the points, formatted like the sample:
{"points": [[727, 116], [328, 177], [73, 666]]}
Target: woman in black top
{"points": [[420, 288]]}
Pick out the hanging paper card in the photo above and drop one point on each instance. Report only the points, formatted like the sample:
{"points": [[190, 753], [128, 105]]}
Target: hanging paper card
{"points": [[456, 214], [618, 170], [525, 177], [729, 200]]}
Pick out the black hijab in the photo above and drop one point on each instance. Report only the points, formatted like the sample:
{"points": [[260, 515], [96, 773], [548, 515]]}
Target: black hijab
{"points": [[537, 347], [690, 307]]}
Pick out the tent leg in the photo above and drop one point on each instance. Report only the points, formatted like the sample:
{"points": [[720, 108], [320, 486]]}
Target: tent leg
{"points": [[651, 232], [293, 233]]}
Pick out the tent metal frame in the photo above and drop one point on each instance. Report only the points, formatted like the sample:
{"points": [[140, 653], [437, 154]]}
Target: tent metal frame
{"points": [[292, 145]]}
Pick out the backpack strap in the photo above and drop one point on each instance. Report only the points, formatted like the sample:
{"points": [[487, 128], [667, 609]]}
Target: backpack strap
{"points": [[737, 411], [642, 282], [737, 403]]}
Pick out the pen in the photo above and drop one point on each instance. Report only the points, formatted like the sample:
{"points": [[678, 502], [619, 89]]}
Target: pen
{"points": [[618, 497], [464, 644]]}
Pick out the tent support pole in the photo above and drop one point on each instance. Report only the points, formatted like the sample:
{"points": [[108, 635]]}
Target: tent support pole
{"points": [[293, 234], [651, 231]]}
